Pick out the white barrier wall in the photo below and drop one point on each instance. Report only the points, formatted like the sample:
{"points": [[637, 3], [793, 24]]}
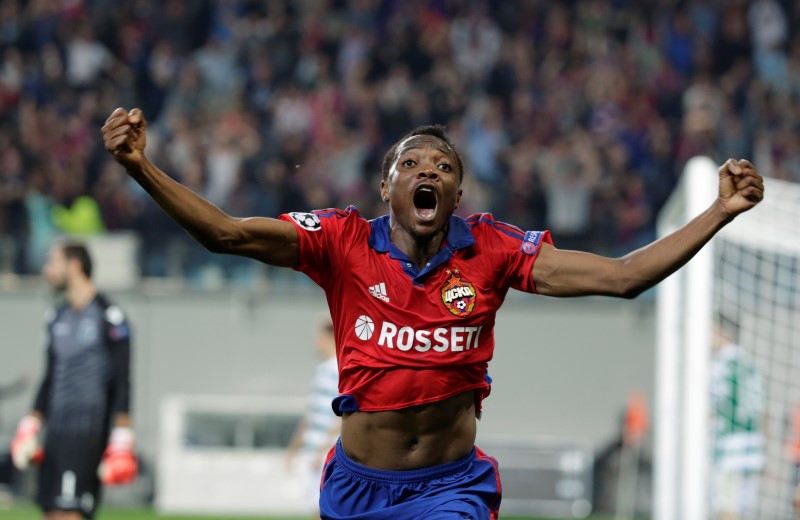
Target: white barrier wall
{"points": [[562, 368]]}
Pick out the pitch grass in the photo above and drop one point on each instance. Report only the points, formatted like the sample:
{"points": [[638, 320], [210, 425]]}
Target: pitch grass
{"points": [[108, 513]]}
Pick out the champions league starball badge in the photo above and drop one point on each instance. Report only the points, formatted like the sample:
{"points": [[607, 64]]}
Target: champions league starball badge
{"points": [[307, 221]]}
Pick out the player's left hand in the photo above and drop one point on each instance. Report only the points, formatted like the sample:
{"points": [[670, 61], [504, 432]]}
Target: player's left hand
{"points": [[119, 464], [740, 186], [125, 136]]}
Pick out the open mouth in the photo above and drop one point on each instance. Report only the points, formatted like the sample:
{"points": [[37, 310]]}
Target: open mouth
{"points": [[425, 201]]}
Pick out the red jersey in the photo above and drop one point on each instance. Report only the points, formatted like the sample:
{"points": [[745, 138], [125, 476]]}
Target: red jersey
{"points": [[407, 336]]}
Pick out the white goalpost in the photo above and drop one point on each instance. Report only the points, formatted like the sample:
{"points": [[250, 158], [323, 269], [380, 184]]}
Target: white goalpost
{"points": [[750, 274]]}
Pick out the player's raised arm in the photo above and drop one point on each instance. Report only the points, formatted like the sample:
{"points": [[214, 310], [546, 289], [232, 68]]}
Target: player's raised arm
{"points": [[575, 273], [269, 240]]}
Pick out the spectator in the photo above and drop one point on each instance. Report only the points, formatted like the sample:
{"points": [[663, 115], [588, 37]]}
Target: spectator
{"points": [[87, 58], [12, 210]]}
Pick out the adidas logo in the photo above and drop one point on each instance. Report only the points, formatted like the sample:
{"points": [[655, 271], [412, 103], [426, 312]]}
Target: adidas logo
{"points": [[379, 291]]}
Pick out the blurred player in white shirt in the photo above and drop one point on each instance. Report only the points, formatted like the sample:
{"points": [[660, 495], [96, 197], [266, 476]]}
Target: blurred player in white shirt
{"points": [[319, 428]]}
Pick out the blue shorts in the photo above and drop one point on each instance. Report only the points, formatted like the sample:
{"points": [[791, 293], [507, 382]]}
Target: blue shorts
{"points": [[465, 488]]}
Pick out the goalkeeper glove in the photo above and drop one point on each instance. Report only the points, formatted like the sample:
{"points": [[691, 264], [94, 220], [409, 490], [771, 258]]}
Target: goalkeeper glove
{"points": [[25, 446], [119, 465]]}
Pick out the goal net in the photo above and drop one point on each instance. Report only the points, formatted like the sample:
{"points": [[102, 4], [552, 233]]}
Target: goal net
{"points": [[727, 418]]}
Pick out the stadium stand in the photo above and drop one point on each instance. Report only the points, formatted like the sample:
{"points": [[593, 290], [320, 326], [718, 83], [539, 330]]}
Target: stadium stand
{"points": [[575, 116]]}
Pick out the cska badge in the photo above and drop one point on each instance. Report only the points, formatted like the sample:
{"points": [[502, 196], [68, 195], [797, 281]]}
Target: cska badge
{"points": [[458, 294]]}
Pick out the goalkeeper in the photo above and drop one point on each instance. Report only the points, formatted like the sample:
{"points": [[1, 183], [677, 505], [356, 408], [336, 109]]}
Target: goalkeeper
{"points": [[81, 412]]}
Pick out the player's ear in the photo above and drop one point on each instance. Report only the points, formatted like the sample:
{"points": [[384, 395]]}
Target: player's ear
{"points": [[458, 198], [384, 191]]}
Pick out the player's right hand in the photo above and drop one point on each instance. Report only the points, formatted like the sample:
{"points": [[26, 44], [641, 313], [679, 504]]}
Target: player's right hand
{"points": [[125, 136], [25, 446]]}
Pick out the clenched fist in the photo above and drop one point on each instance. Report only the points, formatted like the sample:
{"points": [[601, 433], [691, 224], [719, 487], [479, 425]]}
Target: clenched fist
{"points": [[125, 136]]}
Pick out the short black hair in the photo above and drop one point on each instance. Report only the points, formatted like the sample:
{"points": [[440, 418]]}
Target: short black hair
{"points": [[438, 131], [75, 250]]}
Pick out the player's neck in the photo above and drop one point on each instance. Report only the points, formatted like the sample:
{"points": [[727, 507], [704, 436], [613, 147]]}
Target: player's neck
{"points": [[419, 249], [80, 293]]}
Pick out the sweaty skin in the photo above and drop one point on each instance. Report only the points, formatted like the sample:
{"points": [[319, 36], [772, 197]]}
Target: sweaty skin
{"points": [[412, 438]]}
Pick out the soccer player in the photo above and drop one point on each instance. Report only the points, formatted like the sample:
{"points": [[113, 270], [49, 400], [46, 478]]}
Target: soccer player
{"points": [[319, 427], [83, 400], [738, 403], [413, 297]]}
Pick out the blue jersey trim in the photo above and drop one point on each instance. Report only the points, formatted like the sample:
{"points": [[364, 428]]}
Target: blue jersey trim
{"points": [[345, 403], [506, 229], [459, 234], [335, 212]]}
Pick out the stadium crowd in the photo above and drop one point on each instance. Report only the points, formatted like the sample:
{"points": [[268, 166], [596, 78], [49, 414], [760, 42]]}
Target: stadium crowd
{"points": [[573, 116]]}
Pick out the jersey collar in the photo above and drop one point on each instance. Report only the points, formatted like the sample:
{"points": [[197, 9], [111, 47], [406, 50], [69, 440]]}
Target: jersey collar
{"points": [[458, 236]]}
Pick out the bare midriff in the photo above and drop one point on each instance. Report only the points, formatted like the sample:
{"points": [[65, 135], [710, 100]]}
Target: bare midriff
{"points": [[412, 438]]}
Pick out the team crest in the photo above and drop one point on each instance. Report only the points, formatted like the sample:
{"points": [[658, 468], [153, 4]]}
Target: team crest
{"points": [[458, 294]]}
